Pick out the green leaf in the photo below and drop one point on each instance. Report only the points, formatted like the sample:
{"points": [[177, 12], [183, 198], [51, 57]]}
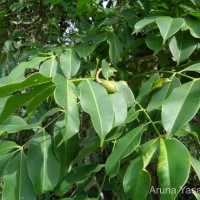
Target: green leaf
{"points": [[66, 96], [182, 46], [95, 101], [70, 63], [145, 88], [115, 48], [6, 146], [137, 179], [195, 67], [17, 184], [126, 36], [4, 160], [3, 102], [158, 98], [40, 115], [144, 22], [14, 124], [154, 42], [132, 114], [85, 151], [107, 71], [120, 114], [67, 150], [126, 92], [135, 44], [189, 128], [19, 70], [18, 100], [169, 26], [123, 147], [76, 175], [148, 151], [49, 67], [89, 44], [184, 99], [196, 194], [159, 83], [195, 165], [40, 97], [32, 80], [173, 169], [43, 166], [193, 26]]}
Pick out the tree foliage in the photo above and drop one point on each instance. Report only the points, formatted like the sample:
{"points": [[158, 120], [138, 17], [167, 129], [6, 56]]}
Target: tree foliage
{"points": [[66, 135]]}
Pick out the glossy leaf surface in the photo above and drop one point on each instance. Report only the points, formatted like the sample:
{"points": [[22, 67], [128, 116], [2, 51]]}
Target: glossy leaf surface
{"points": [[123, 147], [173, 169], [70, 63], [181, 105], [17, 184], [136, 178], [43, 174], [66, 96], [169, 26], [95, 101]]}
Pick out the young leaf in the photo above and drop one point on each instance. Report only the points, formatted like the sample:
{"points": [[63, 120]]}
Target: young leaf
{"points": [[43, 166], [17, 184], [158, 98], [70, 63], [49, 67], [159, 83], [182, 46], [66, 96], [169, 26], [173, 169], [107, 71], [76, 175], [184, 99], [137, 179], [115, 48], [123, 147], [95, 101]]}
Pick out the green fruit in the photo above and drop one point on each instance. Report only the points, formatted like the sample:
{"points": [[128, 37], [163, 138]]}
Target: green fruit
{"points": [[123, 82], [109, 86]]}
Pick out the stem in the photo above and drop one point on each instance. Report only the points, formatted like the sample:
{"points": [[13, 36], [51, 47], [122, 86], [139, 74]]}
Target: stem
{"points": [[189, 77], [179, 73], [82, 79], [98, 80], [101, 188], [149, 118]]}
